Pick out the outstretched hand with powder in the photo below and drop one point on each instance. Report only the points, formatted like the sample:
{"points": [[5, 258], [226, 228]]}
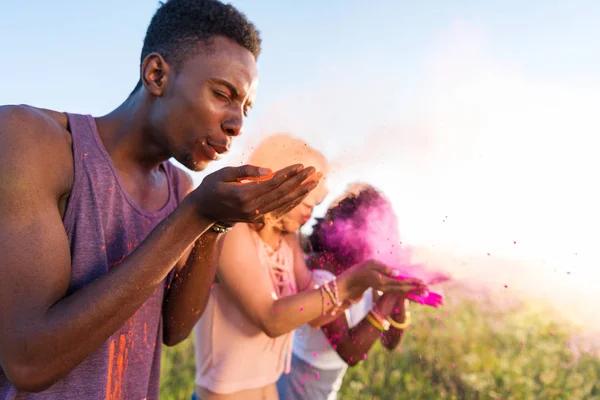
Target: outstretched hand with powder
{"points": [[376, 275], [428, 298], [222, 197]]}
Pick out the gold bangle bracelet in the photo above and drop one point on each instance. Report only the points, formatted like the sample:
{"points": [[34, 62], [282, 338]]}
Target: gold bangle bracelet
{"points": [[401, 325]]}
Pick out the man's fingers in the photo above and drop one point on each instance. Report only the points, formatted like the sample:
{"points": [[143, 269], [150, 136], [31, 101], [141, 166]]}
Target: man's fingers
{"points": [[290, 200], [276, 178], [290, 206], [257, 204], [315, 177], [288, 187], [236, 174]]}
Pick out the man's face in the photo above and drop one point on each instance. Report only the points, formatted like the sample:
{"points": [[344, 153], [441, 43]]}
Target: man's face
{"points": [[204, 103]]}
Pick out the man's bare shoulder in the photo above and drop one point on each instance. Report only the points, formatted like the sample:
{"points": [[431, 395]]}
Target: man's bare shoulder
{"points": [[33, 138], [15, 119]]}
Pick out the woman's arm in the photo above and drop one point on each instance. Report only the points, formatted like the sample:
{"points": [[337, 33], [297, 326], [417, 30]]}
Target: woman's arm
{"points": [[391, 338], [352, 344], [248, 281], [305, 281]]}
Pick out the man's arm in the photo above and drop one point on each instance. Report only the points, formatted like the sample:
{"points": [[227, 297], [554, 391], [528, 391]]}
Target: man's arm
{"points": [[187, 297], [44, 334]]}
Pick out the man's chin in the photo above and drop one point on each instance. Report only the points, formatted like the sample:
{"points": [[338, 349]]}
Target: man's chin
{"points": [[195, 162], [199, 166], [195, 165]]}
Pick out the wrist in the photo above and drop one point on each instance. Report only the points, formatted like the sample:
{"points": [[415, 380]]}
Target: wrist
{"points": [[347, 289], [194, 219], [192, 206], [386, 304], [203, 221], [398, 316], [401, 309], [401, 325]]}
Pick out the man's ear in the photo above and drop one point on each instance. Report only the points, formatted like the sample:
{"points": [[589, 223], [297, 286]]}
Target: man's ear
{"points": [[155, 71]]}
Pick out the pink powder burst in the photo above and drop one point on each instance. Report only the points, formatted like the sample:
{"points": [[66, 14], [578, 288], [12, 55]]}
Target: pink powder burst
{"points": [[365, 227]]}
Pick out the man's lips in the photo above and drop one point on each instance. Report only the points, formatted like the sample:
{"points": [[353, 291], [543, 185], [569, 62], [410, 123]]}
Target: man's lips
{"points": [[220, 148], [212, 150], [209, 151]]}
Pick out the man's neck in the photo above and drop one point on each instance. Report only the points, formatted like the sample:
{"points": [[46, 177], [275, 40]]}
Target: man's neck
{"points": [[125, 135]]}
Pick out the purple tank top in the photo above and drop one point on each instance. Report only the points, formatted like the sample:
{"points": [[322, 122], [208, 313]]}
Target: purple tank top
{"points": [[104, 225]]}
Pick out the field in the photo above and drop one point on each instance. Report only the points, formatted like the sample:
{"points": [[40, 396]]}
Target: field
{"points": [[463, 351]]}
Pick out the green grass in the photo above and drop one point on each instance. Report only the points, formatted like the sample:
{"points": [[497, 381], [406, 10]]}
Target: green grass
{"points": [[458, 352]]}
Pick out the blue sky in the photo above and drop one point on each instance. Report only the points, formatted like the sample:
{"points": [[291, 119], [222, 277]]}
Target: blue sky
{"points": [[409, 88], [83, 56]]}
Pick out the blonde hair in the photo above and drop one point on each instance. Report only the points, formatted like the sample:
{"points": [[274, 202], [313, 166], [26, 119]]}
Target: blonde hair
{"points": [[281, 150]]}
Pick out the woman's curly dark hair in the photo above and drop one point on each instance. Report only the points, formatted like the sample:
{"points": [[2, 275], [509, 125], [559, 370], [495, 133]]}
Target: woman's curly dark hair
{"points": [[342, 235]]}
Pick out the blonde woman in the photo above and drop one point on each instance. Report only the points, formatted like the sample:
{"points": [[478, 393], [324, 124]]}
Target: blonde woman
{"points": [[264, 290]]}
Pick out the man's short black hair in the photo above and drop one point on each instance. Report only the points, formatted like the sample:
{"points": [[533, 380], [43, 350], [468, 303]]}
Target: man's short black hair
{"points": [[178, 26]]}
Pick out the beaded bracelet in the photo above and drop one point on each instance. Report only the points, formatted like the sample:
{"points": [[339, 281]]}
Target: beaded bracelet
{"points": [[322, 291], [374, 323], [381, 324], [333, 295], [382, 321]]}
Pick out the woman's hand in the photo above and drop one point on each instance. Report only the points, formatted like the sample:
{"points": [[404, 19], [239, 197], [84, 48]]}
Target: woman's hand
{"points": [[370, 273]]}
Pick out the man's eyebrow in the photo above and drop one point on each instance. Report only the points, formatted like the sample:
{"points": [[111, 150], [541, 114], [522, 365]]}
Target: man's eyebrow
{"points": [[234, 91]]}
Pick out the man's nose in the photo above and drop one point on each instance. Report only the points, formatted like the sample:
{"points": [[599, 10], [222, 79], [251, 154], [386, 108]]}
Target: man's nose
{"points": [[233, 125]]}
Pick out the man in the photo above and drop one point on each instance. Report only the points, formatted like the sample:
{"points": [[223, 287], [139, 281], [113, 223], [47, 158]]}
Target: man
{"points": [[98, 244]]}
